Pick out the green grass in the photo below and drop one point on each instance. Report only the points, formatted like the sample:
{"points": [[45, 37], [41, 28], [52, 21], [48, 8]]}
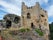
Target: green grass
{"points": [[39, 32], [25, 30]]}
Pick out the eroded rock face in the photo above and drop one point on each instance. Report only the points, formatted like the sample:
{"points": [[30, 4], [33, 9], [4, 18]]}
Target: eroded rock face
{"points": [[12, 17], [17, 35], [10, 20]]}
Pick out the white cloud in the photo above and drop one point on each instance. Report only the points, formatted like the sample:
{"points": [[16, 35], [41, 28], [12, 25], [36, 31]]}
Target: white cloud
{"points": [[50, 11], [50, 22], [11, 8], [15, 5], [32, 2], [46, 1], [41, 1]]}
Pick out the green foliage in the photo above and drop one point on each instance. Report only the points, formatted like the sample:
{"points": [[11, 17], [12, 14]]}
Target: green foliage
{"points": [[39, 32], [25, 30], [51, 31], [1, 20], [22, 30]]}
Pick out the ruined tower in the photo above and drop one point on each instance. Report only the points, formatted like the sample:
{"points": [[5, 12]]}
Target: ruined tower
{"points": [[30, 16], [35, 17]]}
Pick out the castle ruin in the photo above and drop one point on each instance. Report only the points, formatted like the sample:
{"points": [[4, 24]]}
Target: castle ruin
{"points": [[33, 17]]}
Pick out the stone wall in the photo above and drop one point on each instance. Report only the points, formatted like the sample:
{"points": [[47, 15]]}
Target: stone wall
{"points": [[35, 17]]}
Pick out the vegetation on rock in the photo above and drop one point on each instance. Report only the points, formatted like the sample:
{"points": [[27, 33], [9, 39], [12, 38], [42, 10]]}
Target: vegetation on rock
{"points": [[51, 31], [27, 29], [39, 32], [24, 30]]}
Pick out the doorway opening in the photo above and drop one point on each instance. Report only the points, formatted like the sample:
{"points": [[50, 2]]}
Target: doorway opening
{"points": [[32, 25], [8, 24], [17, 19]]}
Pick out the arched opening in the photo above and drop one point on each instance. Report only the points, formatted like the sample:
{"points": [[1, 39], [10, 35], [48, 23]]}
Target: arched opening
{"points": [[16, 19], [28, 15], [8, 23], [42, 15], [32, 25]]}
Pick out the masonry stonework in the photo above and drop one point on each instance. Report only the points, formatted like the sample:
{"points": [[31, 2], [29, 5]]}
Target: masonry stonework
{"points": [[35, 17]]}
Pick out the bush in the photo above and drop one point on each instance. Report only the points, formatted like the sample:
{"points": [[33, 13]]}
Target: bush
{"points": [[39, 32], [22, 30], [28, 29]]}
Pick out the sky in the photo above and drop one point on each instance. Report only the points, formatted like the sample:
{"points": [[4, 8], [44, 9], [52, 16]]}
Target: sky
{"points": [[14, 7]]}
